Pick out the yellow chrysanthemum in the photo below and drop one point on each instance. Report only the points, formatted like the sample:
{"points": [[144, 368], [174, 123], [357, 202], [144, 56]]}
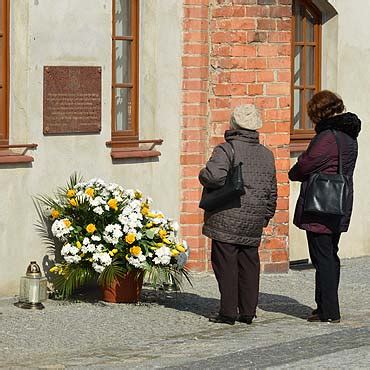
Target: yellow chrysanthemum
{"points": [[162, 233], [71, 193], [55, 214], [73, 202], [145, 211], [180, 248], [115, 250], [111, 253], [78, 245], [112, 203], [159, 245], [165, 240], [89, 192], [135, 251], [90, 228], [138, 194], [67, 223], [174, 252], [149, 225], [54, 269], [130, 238]]}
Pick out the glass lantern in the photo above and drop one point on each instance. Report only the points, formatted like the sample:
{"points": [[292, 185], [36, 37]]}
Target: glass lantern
{"points": [[33, 289]]}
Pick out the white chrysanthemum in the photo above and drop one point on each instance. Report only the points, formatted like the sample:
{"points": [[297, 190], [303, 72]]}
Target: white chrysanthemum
{"points": [[112, 233], [130, 193], [96, 238], [99, 210], [175, 225], [86, 241], [162, 256], [137, 261], [59, 228], [69, 249], [98, 268], [104, 258], [97, 201], [90, 248], [72, 259]]}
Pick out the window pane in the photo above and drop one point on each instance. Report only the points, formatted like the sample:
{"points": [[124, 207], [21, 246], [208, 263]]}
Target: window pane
{"points": [[309, 94], [123, 18], [298, 65], [310, 65], [123, 110], [123, 61], [298, 12], [310, 22], [297, 119]]}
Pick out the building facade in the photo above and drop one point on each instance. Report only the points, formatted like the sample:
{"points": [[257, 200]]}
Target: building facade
{"points": [[171, 71]]}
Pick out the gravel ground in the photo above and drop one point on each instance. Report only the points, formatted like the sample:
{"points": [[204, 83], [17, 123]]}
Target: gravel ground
{"points": [[169, 330]]}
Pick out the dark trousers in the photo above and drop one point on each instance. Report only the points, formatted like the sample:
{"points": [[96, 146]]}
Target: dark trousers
{"points": [[324, 257], [237, 270]]}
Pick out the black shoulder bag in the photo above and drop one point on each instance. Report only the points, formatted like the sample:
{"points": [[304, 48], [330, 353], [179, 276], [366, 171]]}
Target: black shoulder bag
{"points": [[213, 199], [327, 193]]}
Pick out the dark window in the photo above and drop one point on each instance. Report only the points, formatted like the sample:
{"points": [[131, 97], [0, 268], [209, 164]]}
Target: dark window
{"points": [[306, 65]]}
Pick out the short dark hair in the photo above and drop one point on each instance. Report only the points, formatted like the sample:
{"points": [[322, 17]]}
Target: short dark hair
{"points": [[324, 104]]}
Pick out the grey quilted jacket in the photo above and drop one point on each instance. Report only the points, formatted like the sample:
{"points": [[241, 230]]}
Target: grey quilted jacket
{"points": [[242, 221]]}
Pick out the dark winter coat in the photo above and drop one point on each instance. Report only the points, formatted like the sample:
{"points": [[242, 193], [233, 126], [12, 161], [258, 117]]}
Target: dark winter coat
{"points": [[322, 156], [241, 222]]}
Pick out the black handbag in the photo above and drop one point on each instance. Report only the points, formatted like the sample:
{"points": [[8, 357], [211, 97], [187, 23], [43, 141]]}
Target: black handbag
{"points": [[327, 193], [233, 188]]}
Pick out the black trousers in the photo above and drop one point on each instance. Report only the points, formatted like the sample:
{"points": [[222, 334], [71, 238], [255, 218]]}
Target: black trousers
{"points": [[237, 270], [324, 256]]}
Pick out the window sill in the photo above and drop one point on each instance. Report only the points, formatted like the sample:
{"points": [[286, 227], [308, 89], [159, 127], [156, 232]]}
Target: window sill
{"points": [[133, 153], [8, 156], [120, 149], [298, 147]]}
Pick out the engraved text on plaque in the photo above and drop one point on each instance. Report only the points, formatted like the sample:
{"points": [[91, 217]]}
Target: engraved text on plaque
{"points": [[72, 100]]}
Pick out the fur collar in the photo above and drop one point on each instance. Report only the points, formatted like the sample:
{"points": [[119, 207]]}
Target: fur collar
{"points": [[348, 123]]}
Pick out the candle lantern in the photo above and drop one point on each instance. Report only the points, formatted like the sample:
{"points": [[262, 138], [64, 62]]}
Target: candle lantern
{"points": [[33, 289]]}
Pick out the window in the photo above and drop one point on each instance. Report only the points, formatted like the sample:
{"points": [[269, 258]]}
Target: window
{"points": [[306, 65], [4, 74], [125, 70]]}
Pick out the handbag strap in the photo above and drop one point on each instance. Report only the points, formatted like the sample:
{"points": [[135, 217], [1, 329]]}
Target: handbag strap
{"points": [[340, 168]]}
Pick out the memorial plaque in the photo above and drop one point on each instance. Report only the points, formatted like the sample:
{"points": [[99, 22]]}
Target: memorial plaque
{"points": [[72, 100]]}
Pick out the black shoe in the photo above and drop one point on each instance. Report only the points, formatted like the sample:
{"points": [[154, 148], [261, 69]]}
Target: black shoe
{"points": [[219, 319], [316, 318], [246, 319], [315, 311]]}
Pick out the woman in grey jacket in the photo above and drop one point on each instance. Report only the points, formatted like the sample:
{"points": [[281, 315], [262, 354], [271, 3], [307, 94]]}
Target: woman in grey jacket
{"points": [[236, 229]]}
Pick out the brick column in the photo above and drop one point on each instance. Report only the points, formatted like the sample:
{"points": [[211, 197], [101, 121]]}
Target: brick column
{"points": [[235, 52], [194, 126]]}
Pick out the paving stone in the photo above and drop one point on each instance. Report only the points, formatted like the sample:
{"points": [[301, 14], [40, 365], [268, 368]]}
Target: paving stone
{"points": [[172, 330]]}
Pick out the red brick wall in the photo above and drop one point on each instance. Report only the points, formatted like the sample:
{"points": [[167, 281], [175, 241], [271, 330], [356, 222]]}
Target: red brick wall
{"points": [[235, 52]]}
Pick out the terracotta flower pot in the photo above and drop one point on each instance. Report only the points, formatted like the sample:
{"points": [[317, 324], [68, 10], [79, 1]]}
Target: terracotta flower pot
{"points": [[124, 290]]}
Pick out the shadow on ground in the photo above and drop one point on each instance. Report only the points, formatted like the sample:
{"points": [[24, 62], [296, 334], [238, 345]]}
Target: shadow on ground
{"points": [[205, 306], [199, 305]]}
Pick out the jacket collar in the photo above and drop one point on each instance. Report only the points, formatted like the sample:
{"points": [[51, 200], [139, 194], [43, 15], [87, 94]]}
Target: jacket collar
{"points": [[249, 136], [348, 123]]}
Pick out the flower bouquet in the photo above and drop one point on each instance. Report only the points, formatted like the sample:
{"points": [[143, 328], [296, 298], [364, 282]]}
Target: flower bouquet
{"points": [[105, 231]]}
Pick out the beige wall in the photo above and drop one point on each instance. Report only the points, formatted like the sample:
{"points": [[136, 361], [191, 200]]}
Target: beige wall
{"points": [[346, 69], [78, 32]]}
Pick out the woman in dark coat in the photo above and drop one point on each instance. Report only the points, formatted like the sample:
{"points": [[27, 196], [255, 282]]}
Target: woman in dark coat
{"points": [[236, 228], [325, 110]]}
